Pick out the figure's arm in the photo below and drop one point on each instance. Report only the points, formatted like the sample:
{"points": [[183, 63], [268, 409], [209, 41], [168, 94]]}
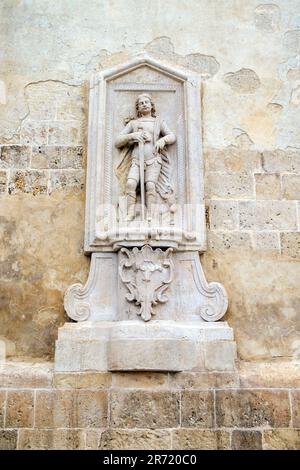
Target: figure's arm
{"points": [[168, 137], [127, 136]]}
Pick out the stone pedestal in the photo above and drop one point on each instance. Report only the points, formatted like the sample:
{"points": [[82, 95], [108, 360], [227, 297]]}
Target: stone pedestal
{"points": [[138, 346]]}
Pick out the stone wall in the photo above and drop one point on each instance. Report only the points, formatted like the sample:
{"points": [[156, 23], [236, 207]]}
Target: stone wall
{"points": [[255, 408], [247, 53]]}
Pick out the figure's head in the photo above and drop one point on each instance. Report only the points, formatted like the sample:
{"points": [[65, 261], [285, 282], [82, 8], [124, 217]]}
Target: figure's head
{"points": [[144, 104]]}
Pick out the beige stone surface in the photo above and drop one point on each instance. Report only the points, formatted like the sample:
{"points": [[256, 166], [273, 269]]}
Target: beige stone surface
{"points": [[143, 380], [141, 409], [193, 439], [71, 409], [276, 374], [203, 380], [8, 440], [20, 409], [281, 439], [267, 186], [83, 380], [290, 244], [26, 375], [296, 408], [248, 409], [135, 440], [2, 407], [197, 409], [291, 186], [246, 440], [48, 439]]}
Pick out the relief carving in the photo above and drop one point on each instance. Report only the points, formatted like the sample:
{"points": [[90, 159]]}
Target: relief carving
{"points": [[147, 274]]}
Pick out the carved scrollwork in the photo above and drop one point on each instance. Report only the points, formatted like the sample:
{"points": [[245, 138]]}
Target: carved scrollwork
{"points": [[74, 304], [218, 303], [147, 274]]}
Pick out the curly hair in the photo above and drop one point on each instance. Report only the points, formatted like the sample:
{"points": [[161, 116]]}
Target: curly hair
{"points": [[153, 111]]}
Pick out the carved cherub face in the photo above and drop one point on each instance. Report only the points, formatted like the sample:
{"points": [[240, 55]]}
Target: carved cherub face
{"points": [[145, 105]]}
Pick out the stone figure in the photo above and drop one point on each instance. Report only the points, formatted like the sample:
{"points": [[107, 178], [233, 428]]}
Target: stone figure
{"points": [[145, 165]]}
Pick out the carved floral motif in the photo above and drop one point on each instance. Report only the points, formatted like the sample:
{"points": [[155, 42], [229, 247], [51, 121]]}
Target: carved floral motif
{"points": [[147, 274]]}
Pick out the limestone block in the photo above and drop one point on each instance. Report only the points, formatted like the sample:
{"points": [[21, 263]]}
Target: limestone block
{"points": [[20, 409], [296, 408], [8, 440], [73, 356], [220, 355], [291, 186], [3, 181], [65, 133], [196, 439], [2, 407], [135, 440], [95, 380], [71, 409], [56, 156], [28, 181], [290, 244], [223, 241], [266, 241], [268, 215], [233, 160], [143, 409], [140, 380], [48, 439], [15, 156], [154, 354], [229, 186], [26, 375], [267, 186], [283, 374], [246, 440], [279, 161], [34, 133], [223, 215], [67, 180], [259, 408], [281, 439], [197, 409], [203, 380]]}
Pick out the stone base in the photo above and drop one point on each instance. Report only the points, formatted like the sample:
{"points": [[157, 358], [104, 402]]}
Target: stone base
{"points": [[138, 346]]}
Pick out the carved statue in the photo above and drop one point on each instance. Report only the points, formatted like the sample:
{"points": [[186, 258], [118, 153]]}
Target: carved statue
{"points": [[145, 164]]}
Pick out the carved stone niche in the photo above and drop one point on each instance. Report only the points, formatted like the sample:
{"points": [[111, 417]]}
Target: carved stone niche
{"points": [[146, 304]]}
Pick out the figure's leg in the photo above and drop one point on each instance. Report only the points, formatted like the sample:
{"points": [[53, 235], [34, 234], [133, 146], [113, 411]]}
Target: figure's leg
{"points": [[151, 177]]}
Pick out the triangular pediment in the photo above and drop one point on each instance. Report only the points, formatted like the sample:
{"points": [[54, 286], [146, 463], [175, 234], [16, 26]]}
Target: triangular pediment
{"points": [[140, 61]]}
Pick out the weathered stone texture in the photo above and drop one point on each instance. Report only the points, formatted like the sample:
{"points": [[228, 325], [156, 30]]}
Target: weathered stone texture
{"points": [[246, 440], [229, 186], [3, 181], [268, 215], [58, 439], [8, 440], [20, 409], [29, 181], [15, 156], [144, 409], [290, 244], [281, 439], [281, 161], [142, 380], [83, 380], [223, 215], [243, 81], [193, 439], [197, 409], [56, 157], [296, 408], [291, 186], [267, 186], [67, 180], [232, 160], [71, 409], [248, 409], [2, 407], [135, 440], [203, 380]]}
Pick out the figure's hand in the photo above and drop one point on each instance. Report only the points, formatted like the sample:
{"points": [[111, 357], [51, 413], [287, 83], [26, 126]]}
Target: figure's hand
{"points": [[137, 137], [160, 144]]}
